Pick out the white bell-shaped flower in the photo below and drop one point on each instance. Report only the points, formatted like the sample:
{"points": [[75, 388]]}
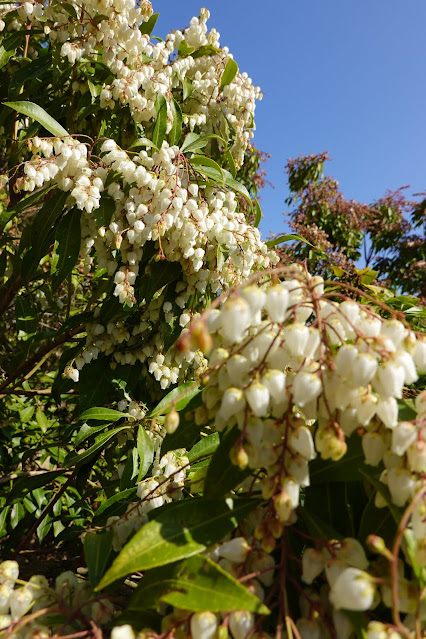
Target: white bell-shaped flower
{"points": [[420, 403], [394, 330], [366, 406], [406, 361], [287, 500], [296, 337], [240, 623], [345, 360], [277, 301], [313, 564], [416, 456], [352, 590], [377, 630], [403, 436], [20, 602], [352, 553], [9, 571], [235, 550], [364, 369], [6, 590], [123, 632], [235, 319], [257, 396], [373, 447], [401, 484], [238, 368], [389, 380], [203, 625], [274, 380], [306, 387], [419, 355], [302, 442], [256, 299], [387, 411], [232, 402]]}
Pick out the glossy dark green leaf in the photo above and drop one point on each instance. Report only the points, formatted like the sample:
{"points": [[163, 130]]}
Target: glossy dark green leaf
{"points": [[222, 475], [287, 238], [104, 414], [194, 142], [156, 276], [317, 527], [205, 447], [195, 584], [35, 70], [178, 530], [229, 73], [115, 505], [372, 477], [68, 240], [377, 521], [94, 385], [45, 220], [179, 398], [176, 130], [208, 167], [145, 449], [344, 470], [37, 113], [76, 459], [23, 485], [97, 549], [147, 26], [160, 126], [87, 431], [25, 314], [142, 142], [106, 210], [8, 47], [258, 212]]}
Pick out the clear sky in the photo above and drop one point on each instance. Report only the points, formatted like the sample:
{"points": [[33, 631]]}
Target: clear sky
{"points": [[347, 77]]}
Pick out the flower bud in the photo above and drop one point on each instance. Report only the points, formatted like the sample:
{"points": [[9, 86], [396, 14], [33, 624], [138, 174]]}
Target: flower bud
{"points": [[123, 632], [240, 623], [312, 565], [235, 550], [171, 421], [257, 396]]}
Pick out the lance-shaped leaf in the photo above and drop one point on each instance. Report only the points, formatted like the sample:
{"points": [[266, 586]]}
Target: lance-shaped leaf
{"points": [[97, 549], [176, 130], [160, 126], [104, 414], [68, 240], [74, 459], [45, 220], [179, 397], [229, 73], [145, 451], [286, 238], [37, 113], [9, 46], [178, 530], [195, 584]]}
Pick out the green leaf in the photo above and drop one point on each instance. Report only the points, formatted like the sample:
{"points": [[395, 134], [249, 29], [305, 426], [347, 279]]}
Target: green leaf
{"points": [[156, 276], [348, 468], [35, 70], [208, 167], [97, 549], [30, 200], [370, 475], [195, 584], [187, 87], [140, 142], [176, 130], [45, 220], [178, 530], [87, 431], [145, 451], [376, 521], [258, 212], [115, 505], [204, 447], [229, 73], [76, 459], [68, 238], [25, 314], [237, 186], [316, 527], [105, 211], [8, 48], [359, 622], [94, 386], [194, 142], [23, 485], [179, 397], [42, 420], [147, 26], [104, 414], [160, 126], [287, 238], [184, 49], [37, 113], [222, 475], [231, 162], [69, 9]]}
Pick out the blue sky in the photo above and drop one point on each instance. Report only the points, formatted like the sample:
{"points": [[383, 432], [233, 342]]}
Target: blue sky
{"points": [[347, 77]]}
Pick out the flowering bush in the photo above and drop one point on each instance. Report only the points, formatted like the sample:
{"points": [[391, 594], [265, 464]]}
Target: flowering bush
{"points": [[195, 441]]}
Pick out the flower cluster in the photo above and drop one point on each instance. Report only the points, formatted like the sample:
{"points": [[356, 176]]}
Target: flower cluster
{"points": [[19, 598], [285, 357]]}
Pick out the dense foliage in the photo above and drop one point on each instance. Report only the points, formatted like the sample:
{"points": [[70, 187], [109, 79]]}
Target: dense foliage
{"points": [[195, 442]]}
